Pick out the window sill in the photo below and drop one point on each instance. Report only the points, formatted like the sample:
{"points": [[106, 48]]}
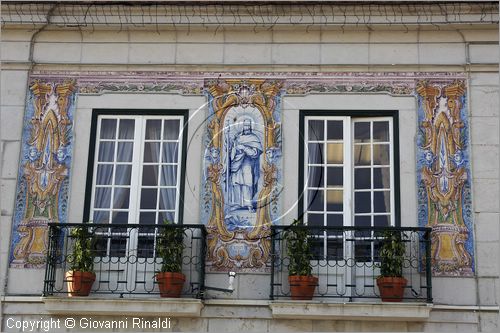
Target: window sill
{"points": [[175, 307], [357, 311]]}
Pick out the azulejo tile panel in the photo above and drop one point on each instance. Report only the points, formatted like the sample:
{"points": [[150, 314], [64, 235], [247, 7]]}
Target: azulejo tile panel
{"points": [[242, 159], [444, 177], [242, 164], [44, 170]]}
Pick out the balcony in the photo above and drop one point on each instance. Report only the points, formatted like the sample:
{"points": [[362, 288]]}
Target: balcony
{"points": [[345, 260], [347, 263], [125, 258]]}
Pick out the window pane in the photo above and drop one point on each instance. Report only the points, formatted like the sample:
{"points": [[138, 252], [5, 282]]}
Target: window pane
{"points": [[315, 152], [382, 178], [170, 151], [147, 218], [335, 130], [150, 175], [335, 220], [362, 221], [362, 178], [362, 202], [168, 175], [123, 174], [381, 220], [361, 132], [381, 131], [316, 201], [153, 129], [363, 251], [316, 130], [127, 127], [145, 247], [106, 152], [118, 246], [335, 176], [102, 197], [101, 216], [381, 154], [148, 198], [335, 153], [125, 150], [315, 219], [151, 152], [108, 128], [317, 246], [362, 155], [120, 218], [382, 201], [335, 250], [104, 174], [334, 201], [167, 198], [171, 129], [121, 198], [166, 216], [315, 177]]}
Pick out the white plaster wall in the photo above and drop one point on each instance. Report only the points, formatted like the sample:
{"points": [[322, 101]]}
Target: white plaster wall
{"points": [[240, 46], [13, 94]]}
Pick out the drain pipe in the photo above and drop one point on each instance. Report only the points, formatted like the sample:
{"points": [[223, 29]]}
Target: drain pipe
{"points": [[48, 16]]}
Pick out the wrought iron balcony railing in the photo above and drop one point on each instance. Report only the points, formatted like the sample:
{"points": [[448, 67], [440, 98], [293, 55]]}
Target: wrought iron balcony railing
{"points": [[346, 261], [125, 258]]}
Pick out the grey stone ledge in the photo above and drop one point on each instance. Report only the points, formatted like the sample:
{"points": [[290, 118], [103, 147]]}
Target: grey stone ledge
{"points": [[351, 311], [174, 307]]}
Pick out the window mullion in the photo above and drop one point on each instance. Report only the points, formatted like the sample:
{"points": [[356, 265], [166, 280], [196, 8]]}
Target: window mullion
{"points": [[391, 173], [94, 171], [136, 175], [179, 167]]}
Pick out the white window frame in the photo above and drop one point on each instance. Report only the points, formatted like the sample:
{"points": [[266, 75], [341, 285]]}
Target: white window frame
{"points": [[137, 165], [348, 172]]}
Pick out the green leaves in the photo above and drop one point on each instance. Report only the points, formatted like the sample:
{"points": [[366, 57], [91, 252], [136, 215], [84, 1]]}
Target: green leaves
{"points": [[82, 258], [299, 249], [169, 247], [392, 254]]}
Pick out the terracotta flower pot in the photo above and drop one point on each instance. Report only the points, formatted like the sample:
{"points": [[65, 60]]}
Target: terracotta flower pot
{"points": [[170, 284], [302, 287], [79, 283], [391, 288]]}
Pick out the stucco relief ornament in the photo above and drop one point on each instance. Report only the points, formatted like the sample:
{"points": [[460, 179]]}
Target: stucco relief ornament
{"points": [[244, 149]]}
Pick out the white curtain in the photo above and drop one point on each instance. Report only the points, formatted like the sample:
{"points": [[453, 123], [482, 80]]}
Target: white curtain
{"points": [[122, 172]]}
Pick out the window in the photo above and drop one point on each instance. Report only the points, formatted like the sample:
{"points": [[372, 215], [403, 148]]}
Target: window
{"points": [[136, 176], [348, 173]]}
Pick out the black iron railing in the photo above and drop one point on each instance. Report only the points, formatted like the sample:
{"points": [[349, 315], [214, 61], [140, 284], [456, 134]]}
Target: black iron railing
{"points": [[346, 260], [125, 258]]}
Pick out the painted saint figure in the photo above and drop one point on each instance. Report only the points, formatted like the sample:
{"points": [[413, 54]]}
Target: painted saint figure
{"points": [[244, 165]]}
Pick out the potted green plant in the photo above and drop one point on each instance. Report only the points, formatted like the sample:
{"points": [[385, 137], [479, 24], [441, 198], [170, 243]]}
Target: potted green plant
{"points": [[391, 282], [170, 245], [302, 282], [81, 276]]}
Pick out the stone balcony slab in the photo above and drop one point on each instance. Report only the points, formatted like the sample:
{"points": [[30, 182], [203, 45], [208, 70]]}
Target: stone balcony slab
{"points": [[180, 307], [350, 311]]}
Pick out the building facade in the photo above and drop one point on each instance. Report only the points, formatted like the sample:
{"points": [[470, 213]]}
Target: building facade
{"points": [[231, 120]]}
